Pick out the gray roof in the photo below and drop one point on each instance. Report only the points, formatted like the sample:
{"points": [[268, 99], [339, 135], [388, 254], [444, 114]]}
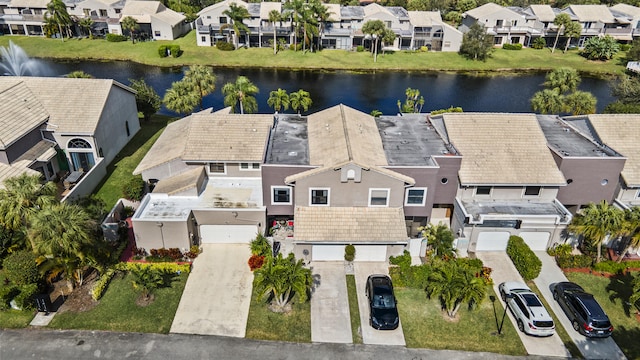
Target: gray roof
{"points": [[567, 142], [410, 140], [351, 12], [515, 208], [289, 141], [20, 111], [591, 13]]}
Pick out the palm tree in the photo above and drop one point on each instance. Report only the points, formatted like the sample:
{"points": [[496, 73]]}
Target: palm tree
{"points": [[201, 79], [278, 99], [631, 229], [281, 279], [79, 74], [147, 99], [580, 103], [597, 222], [57, 10], [180, 98], [295, 8], [20, 199], [375, 29], [237, 14], [86, 24], [322, 16], [274, 17], [440, 240], [547, 102], [635, 292], [147, 279], [563, 80], [455, 284], [573, 29], [129, 24], [61, 229], [241, 93], [300, 100], [561, 21]]}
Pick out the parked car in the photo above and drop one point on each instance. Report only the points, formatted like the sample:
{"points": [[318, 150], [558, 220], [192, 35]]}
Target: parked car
{"points": [[582, 309], [383, 313], [531, 316]]}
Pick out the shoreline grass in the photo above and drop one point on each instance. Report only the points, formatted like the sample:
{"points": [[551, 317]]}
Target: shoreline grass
{"points": [[502, 61]]}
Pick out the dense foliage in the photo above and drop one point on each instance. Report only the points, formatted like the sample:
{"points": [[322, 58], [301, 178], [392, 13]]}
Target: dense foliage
{"points": [[133, 189], [600, 48], [476, 43], [20, 268], [523, 258]]}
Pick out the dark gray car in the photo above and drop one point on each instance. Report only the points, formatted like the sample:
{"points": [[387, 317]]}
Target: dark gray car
{"points": [[383, 313], [582, 309]]}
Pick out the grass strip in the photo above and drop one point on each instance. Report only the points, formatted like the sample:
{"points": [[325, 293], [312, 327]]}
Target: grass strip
{"points": [[354, 311]]}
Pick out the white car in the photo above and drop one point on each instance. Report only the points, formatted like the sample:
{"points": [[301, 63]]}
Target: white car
{"points": [[526, 307]]}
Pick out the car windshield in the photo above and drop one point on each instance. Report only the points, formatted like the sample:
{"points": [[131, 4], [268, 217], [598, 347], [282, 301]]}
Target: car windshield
{"points": [[531, 300], [601, 324], [384, 301]]}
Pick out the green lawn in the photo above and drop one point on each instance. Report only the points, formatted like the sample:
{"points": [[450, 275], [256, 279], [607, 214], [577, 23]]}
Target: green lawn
{"points": [[147, 53], [120, 169], [425, 326], [613, 295], [14, 319], [354, 311], [117, 310], [264, 324]]}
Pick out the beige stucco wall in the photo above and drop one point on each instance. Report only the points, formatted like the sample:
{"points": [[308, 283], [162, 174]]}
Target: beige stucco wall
{"points": [[110, 134]]}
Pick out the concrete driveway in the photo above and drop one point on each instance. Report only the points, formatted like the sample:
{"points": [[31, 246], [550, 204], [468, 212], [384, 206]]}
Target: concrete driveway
{"points": [[217, 295], [369, 334], [590, 348], [330, 319], [504, 270]]}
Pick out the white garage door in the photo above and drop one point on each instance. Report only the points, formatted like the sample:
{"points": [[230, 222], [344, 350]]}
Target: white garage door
{"points": [[492, 241], [227, 234], [537, 241], [336, 253]]}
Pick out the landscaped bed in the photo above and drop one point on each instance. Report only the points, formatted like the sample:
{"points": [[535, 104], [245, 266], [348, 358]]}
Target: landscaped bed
{"points": [[426, 326], [117, 309], [263, 324], [354, 311], [613, 295]]}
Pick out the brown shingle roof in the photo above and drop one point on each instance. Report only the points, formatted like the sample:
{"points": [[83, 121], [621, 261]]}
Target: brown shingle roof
{"points": [[341, 134], [349, 224], [20, 111], [502, 149], [622, 133]]}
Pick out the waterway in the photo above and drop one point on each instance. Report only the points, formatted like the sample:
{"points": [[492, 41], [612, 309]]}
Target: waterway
{"points": [[363, 91]]}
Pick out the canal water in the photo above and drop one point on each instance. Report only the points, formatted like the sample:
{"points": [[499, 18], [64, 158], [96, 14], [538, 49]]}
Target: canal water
{"points": [[363, 91]]}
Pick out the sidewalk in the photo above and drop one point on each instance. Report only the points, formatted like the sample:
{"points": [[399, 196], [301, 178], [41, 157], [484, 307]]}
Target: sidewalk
{"points": [[590, 348]]}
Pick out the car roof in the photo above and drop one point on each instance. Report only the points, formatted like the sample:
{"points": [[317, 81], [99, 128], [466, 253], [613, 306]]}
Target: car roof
{"points": [[591, 305], [516, 286], [566, 285]]}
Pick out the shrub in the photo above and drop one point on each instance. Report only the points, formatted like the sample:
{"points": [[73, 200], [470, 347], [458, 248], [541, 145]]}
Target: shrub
{"points": [[523, 258], [128, 211], [560, 250], [424, 49], [295, 47], [224, 46], [449, 110], [168, 267], [403, 261], [7, 293], [260, 246], [349, 252], [415, 277], [115, 38], [615, 267], [574, 261], [20, 268], [24, 300], [162, 51], [512, 46], [360, 48], [625, 47], [539, 43], [133, 189], [101, 285], [164, 255], [256, 262], [175, 50]]}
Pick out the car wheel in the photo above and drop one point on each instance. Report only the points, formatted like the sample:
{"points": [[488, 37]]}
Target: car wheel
{"points": [[555, 295], [520, 326], [576, 326]]}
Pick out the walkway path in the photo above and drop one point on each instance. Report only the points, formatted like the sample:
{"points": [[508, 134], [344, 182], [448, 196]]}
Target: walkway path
{"points": [[503, 270], [590, 348], [330, 319]]}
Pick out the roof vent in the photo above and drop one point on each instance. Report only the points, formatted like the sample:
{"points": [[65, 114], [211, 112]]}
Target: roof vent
{"points": [[292, 153]]}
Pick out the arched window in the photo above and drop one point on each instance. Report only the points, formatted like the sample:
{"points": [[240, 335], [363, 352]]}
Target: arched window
{"points": [[81, 154], [79, 144]]}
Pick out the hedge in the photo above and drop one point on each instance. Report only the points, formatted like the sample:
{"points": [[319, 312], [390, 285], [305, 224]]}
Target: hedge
{"points": [[615, 267], [7, 293], [116, 38], [569, 261], [512, 46], [525, 260], [162, 51], [225, 46], [20, 268], [175, 50], [349, 252], [101, 285], [24, 300], [165, 266], [415, 277]]}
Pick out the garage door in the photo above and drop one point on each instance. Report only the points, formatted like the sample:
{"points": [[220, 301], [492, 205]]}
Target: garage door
{"points": [[492, 241], [336, 253], [537, 241], [227, 234]]}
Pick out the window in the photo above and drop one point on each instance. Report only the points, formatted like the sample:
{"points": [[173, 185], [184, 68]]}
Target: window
{"points": [[319, 196], [203, 39], [280, 195], [497, 40], [483, 190], [86, 12], [447, 44], [103, 13], [388, 24], [532, 191], [217, 168], [415, 197], [499, 23], [249, 166], [126, 126], [156, 33], [118, 11], [378, 197], [223, 19], [79, 144], [638, 194]]}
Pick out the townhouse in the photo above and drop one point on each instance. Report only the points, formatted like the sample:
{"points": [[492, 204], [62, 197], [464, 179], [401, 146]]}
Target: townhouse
{"points": [[340, 176]]}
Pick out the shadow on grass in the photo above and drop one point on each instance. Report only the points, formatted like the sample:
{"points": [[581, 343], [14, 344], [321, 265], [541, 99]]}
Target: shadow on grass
{"points": [[620, 288]]}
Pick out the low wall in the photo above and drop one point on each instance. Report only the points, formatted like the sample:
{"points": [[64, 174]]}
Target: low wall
{"points": [[89, 181]]}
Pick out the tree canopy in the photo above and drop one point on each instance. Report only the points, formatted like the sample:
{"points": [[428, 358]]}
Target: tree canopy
{"points": [[600, 48], [476, 43], [147, 100], [241, 94]]}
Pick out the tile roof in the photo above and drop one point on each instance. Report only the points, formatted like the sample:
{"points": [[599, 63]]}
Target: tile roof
{"points": [[43, 151], [227, 137], [543, 12], [181, 182], [592, 13], [74, 105], [626, 9], [169, 146], [349, 224], [20, 111], [425, 18], [32, 4], [334, 11], [9, 171], [267, 7], [136, 7], [390, 173], [169, 16], [341, 134], [484, 10], [622, 133], [501, 149]]}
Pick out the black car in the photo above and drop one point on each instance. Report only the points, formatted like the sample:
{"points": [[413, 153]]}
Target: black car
{"points": [[383, 313], [586, 315]]}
